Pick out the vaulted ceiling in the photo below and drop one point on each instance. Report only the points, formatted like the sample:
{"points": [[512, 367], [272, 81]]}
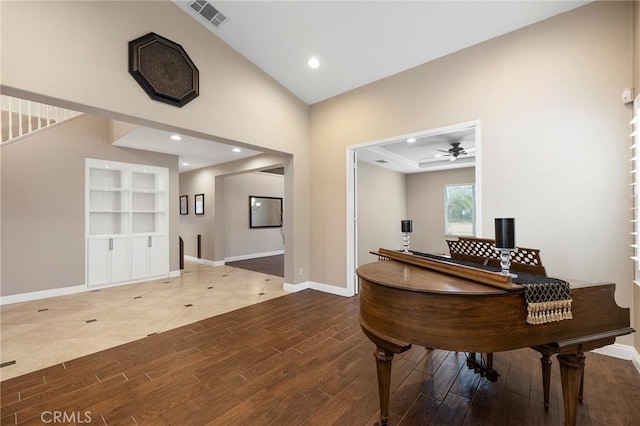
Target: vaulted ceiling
{"points": [[355, 43]]}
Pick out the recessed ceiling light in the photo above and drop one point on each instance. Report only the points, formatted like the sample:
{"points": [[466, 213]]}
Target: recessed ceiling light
{"points": [[314, 62], [411, 140], [236, 150], [176, 137], [185, 164]]}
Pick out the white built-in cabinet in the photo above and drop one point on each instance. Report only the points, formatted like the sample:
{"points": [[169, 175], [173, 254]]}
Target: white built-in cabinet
{"points": [[127, 221]]}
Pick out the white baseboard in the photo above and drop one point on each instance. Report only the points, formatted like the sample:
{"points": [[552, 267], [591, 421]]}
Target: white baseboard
{"points": [[331, 289], [616, 350], [205, 261], [64, 291], [325, 288], [42, 294], [253, 255], [625, 352], [635, 359], [175, 274], [621, 351], [295, 287]]}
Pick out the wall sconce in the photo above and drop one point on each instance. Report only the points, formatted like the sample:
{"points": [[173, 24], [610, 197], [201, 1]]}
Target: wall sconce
{"points": [[255, 204]]}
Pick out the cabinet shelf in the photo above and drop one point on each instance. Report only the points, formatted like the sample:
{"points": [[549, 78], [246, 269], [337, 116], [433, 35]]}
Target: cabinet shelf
{"points": [[147, 191], [107, 188], [127, 221]]}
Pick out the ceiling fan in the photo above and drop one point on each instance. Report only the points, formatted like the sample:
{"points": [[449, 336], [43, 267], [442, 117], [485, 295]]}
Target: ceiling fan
{"points": [[455, 151]]}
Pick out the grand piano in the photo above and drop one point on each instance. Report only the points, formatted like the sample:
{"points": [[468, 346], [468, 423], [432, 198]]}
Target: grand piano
{"points": [[407, 299]]}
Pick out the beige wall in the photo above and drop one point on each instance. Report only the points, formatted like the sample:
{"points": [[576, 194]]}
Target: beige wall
{"points": [[43, 203], [386, 197], [425, 206], [213, 224], [382, 204], [240, 240], [84, 46], [548, 97]]}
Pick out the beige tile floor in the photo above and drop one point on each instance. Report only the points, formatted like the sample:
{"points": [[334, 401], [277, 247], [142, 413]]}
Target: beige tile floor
{"points": [[45, 332]]}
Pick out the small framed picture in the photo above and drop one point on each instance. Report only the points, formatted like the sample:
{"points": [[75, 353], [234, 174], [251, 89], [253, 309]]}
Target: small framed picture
{"points": [[184, 204], [199, 204]]}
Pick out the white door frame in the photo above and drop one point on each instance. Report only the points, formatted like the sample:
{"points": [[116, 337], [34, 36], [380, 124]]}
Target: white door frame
{"points": [[352, 196]]}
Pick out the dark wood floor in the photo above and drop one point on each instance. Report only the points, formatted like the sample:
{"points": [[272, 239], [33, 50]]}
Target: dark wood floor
{"points": [[272, 265], [302, 359]]}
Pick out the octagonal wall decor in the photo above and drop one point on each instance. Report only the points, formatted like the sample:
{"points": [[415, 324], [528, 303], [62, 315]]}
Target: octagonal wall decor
{"points": [[163, 69]]}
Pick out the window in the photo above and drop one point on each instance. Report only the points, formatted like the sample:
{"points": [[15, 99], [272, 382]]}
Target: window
{"points": [[459, 210]]}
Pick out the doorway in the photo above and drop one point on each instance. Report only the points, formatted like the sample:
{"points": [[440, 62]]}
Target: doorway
{"points": [[445, 148]]}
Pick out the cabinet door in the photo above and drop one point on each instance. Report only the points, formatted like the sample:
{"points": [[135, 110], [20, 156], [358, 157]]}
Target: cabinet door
{"points": [[120, 258], [98, 261], [158, 257], [139, 257]]}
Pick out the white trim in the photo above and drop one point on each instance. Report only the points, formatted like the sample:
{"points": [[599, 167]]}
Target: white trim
{"points": [[331, 289], [295, 287], [616, 351], [352, 218], [478, 176], [622, 352], [205, 261], [253, 255], [635, 358], [325, 288], [42, 294], [82, 288]]}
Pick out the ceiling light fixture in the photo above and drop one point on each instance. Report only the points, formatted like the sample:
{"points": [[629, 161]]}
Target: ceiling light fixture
{"points": [[236, 150], [185, 164], [176, 138], [314, 62], [411, 140]]}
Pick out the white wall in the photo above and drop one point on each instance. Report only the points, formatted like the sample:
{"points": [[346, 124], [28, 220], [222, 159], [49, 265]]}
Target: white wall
{"points": [[240, 240]]}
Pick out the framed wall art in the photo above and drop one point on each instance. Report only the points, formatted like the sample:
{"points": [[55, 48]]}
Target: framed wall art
{"points": [[184, 204], [199, 204]]}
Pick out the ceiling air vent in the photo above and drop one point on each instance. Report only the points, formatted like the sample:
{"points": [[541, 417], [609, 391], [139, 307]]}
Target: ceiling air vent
{"points": [[208, 12]]}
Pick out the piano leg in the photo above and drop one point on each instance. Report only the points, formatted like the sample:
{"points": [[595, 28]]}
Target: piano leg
{"points": [[571, 372], [545, 361], [383, 365], [581, 395]]}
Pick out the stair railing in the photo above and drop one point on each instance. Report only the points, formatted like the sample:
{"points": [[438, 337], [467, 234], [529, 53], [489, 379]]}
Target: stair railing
{"points": [[19, 117]]}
